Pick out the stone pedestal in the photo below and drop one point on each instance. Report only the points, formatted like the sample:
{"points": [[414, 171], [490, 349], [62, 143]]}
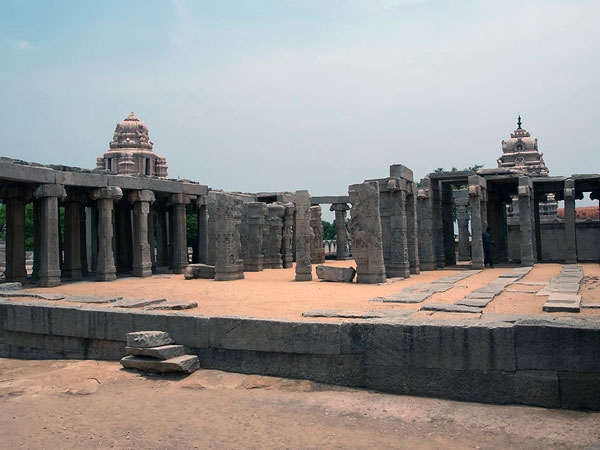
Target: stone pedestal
{"points": [[179, 233], [275, 223], [425, 214], [15, 199], [255, 213], [526, 222], [317, 252], [342, 252], [303, 237], [366, 233], [228, 262], [105, 266], [570, 221], [288, 236], [48, 195], [476, 187], [142, 261]]}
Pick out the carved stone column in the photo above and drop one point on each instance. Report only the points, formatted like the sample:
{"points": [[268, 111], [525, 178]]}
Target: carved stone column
{"points": [[228, 265], [570, 222], [288, 235], [526, 216], [255, 216], [162, 237], [202, 230], [72, 267], [124, 236], [448, 225], [425, 214], [366, 233], [275, 222], [178, 222], [151, 240], [340, 209], [303, 237], [317, 251], [15, 199], [438, 223], [105, 266], [142, 261], [48, 195], [475, 195], [412, 230], [461, 199]]}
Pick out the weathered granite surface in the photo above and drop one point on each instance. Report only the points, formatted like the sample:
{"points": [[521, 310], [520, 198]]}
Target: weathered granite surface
{"points": [[341, 274]]}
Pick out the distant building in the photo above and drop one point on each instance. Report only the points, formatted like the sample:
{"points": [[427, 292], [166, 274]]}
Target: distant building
{"points": [[131, 152]]}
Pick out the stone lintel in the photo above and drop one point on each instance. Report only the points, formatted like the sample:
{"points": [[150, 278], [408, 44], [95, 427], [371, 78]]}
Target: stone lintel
{"points": [[329, 199], [50, 190], [110, 192], [143, 195], [400, 171], [178, 199]]}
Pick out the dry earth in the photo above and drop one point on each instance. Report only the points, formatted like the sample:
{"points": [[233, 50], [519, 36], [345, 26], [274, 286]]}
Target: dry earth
{"points": [[98, 405]]}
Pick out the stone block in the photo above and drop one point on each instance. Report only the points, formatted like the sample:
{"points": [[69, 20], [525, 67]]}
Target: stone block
{"points": [[449, 307], [162, 352], [26, 294], [172, 305], [145, 339], [400, 171], [10, 286], [579, 390], [91, 299], [561, 307], [474, 302], [341, 274], [537, 388], [136, 302], [185, 364], [238, 333], [199, 271]]}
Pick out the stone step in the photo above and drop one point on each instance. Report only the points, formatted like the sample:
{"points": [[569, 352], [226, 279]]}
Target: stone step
{"points": [[146, 339], [162, 352], [184, 363], [561, 307]]}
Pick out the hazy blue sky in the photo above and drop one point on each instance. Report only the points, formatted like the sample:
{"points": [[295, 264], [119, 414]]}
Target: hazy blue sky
{"points": [[285, 95]]}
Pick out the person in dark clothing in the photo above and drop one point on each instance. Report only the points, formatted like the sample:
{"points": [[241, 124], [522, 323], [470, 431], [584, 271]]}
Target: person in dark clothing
{"points": [[487, 247]]}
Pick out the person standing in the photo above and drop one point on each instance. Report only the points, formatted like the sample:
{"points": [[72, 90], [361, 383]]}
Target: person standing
{"points": [[487, 248]]}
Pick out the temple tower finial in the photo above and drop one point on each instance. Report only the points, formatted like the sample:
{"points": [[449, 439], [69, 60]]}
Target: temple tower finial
{"points": [[519, 122]]}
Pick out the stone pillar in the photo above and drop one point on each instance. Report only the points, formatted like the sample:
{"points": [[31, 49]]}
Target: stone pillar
{"points": [[142, 261], [461, 199], [228, 265], [211, 208], [438, 224], [48, 195], [475, 190], [366, 233], [15, 199], [425, 215], [570, 222], [83, 240], [497, 222], [124, 236], [303, 237], [72, 256], [202, 230], [151, 240], [288, 236], [162, 237], [317, 251], [525, 217], [412, 230], [341, 251], [537, 198], [105, 265], [179, 244], [92, 224], [36, 240], [255, 213], [448, 225], [275, 223], [392, 209]]}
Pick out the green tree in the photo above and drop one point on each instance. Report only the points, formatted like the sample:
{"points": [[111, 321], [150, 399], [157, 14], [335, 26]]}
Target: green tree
{"points": [[328, 230], [191, 223]]}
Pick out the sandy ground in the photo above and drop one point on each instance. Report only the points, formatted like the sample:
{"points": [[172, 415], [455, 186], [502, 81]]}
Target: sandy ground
{"points": [[99, 405], [273, 293]]}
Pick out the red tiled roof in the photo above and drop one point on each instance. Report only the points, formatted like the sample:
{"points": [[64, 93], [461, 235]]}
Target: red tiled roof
{"points": [[583, 212]]}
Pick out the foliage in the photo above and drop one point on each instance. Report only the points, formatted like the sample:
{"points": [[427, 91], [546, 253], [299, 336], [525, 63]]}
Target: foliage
{"points": [[191, 223], [328, 230]]}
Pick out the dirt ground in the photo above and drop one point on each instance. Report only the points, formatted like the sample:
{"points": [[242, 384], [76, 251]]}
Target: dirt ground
{"points": [[99, 405], [273, 293]]}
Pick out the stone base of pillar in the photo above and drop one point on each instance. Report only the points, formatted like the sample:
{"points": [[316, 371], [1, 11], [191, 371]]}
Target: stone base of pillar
{"points": [[73, 274], [229, 273], [107, 276], [255, 264], [142, 271], [49, 279], [317, 256], [303, 276], [428, 265], [477, 265], [415, 271], [287, 262], [276, 262], [397, 270], [367, 278], [343, 258]]}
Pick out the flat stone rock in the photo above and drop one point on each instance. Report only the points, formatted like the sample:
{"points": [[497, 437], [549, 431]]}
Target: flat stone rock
{"points": [[185, 364], [163, 352], [480, 295], [340, 274], [91, 299], [523, 291], [477, 303], [173, 305], [449, 307], [137, 302], [336, 313], [24, 294], [591, 305], [564, 297], [532, 283], [146, 339], [416, 297], [10, 286], [561, 307], [203, 271]]}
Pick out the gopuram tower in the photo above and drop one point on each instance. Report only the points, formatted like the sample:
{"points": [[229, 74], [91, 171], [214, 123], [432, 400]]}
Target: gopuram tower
{"points": [[520, 152], [131, 152]]}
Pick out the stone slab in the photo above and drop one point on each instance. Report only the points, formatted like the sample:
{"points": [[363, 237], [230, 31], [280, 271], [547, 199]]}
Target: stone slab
{"points": [[417, 297], [380, 314], [477, 303], [10, 286], [25, 294], [561, 307], [339, 274], [136, 302], [564, 297], [532, 283], [480, 295], [591, 305], [163, 352], [523, 291], [90, 299], [172, 305], [449, 307], [203, 271], [185, 364], [146, 339]]}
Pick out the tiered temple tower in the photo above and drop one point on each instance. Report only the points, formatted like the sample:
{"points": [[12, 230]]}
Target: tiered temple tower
{"points": [[131, 151]]}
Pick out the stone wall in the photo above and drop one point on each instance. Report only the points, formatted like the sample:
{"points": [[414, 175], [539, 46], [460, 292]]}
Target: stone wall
{"points": [[531, 360]]}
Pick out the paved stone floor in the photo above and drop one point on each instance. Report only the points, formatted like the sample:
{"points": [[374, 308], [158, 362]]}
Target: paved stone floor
{"points": [[99, 405]]}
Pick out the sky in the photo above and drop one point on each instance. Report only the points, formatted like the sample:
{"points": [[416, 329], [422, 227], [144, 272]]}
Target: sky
{"points": [[280, 95]]}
